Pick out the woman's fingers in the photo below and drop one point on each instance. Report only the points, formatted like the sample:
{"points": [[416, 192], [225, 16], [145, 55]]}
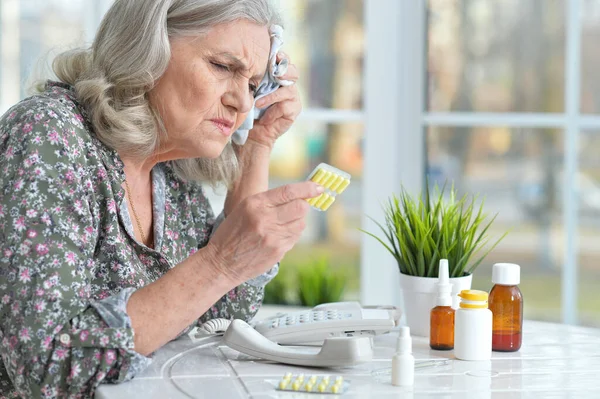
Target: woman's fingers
{"points": [[286, 110], [291, 73], [292, 211], [282, 94], [290, 192]]}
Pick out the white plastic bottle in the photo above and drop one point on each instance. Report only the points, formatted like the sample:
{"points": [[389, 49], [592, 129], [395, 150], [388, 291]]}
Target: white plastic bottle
{"points": [[403, 362], [473, 328]]}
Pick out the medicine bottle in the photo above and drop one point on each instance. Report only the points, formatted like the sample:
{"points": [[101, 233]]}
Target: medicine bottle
{"points": [[473, 329], [506, 304], [441, 330], [403, 362]]}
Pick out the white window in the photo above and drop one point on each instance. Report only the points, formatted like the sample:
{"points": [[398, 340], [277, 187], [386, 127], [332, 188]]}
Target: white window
{"points": [[505, 104]]}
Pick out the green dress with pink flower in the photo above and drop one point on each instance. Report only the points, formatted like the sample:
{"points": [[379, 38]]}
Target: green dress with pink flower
{"points": [[68, 257]]}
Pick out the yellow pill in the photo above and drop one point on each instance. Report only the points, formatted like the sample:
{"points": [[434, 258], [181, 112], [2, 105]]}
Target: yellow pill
{"points": [[323, 178], [322, 200], [296, 385], [336, 183], [336, 388], [327, 203], [325, 380], [330, 179], [312, 379], [283, 383], [342, 186], [300, 377], [308, 387], [314, 200], [318, 175], [322, 387], [339, 379]]}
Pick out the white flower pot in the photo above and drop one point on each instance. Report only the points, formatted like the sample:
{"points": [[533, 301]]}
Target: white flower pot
{"points": [[418, 298]]}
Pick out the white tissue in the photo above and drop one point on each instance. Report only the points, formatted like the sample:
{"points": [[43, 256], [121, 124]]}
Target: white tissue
{"points": [[269, 83]]}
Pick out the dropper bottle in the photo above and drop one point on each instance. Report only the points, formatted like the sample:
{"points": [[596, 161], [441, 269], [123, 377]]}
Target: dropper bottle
{"points": [[441, 333], [403, 362]]}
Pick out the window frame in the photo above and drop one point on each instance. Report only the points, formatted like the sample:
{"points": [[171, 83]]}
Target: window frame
{"points": [[406, 49]]}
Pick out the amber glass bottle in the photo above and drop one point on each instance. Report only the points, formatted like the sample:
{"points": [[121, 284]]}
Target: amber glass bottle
{"points": [[441, 336], [506, 303], [441, 319]]}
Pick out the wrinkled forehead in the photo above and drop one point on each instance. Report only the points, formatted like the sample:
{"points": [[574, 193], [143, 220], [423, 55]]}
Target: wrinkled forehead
{"points": [[247, 41]]}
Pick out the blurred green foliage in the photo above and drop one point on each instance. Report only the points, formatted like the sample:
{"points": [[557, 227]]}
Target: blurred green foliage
{"points": [[308, 278], [279, 290], [317, 283]]}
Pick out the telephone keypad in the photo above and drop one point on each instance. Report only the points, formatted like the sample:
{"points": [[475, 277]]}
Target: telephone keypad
{"points": [[309, 317], [312, 326]]}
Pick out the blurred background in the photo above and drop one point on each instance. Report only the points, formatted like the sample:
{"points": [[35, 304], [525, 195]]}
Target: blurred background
{"points": [[506, 99]]}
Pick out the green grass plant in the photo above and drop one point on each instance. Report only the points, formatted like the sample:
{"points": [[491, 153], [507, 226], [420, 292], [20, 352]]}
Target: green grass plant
{"points": [[419, 232], [319, 283]]}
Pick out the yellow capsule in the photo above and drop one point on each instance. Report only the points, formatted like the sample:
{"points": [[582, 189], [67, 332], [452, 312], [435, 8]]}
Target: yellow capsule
{"points": [[322, 387], [300, 378], [287, 376], [322, 200], [336, 183], [339, 379], [296, 385], [283, 383], [325, 380], [327, 203], [323, 178], [314, 200], [308, 387], [343, 186], [336, 388], [318, 175], [312, 379], [327, 183]]}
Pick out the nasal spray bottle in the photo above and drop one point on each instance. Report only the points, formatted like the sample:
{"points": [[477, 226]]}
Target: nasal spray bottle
{"points": [[403, 362], [441, 334]]}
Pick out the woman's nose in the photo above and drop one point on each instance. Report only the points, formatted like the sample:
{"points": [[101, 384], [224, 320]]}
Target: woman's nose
{"points": [[240, 99]]}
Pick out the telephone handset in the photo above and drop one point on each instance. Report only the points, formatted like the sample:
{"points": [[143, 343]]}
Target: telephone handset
{"points": [[343, 329], [335, 352]]}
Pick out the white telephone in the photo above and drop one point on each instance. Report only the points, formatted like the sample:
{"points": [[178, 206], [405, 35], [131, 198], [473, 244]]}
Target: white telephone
{"points": [[344, 329], [338, 319]]}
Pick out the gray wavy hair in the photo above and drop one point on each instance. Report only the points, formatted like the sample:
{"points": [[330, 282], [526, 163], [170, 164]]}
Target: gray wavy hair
{"points": [[130, 52]]}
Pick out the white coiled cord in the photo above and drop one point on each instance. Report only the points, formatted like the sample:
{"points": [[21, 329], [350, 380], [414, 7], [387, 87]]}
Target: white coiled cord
{"points": [[213, 327]]}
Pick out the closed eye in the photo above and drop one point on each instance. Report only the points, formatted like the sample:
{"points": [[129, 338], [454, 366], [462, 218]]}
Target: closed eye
{"points": [[220, 66], [252, 88]]}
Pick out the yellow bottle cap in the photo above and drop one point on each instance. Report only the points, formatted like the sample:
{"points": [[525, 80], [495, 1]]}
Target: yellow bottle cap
{"points": [[473, 295]]}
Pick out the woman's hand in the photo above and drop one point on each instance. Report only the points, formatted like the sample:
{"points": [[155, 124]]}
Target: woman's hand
{"points": [[260, 230], [286, 107]]}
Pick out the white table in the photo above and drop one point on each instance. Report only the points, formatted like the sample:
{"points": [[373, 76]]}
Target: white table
{"points": [[555, 361]]}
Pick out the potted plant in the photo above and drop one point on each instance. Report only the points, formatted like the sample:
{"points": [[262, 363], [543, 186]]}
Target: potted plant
{"points": [[419, 232]]}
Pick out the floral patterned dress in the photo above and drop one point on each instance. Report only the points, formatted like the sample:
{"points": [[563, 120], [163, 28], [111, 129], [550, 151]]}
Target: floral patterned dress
{"points": [[69, 260]]}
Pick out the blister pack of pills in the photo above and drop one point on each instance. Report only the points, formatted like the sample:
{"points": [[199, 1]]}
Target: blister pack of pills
{"points": [[321, 384], [335, 182]]}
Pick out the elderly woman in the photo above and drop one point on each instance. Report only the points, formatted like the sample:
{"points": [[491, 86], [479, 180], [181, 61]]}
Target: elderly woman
{"points": [[109, 247]]}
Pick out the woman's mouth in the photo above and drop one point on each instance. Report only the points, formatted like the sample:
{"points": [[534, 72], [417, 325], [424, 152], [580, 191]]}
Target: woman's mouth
{"points": [[223, 125]]}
